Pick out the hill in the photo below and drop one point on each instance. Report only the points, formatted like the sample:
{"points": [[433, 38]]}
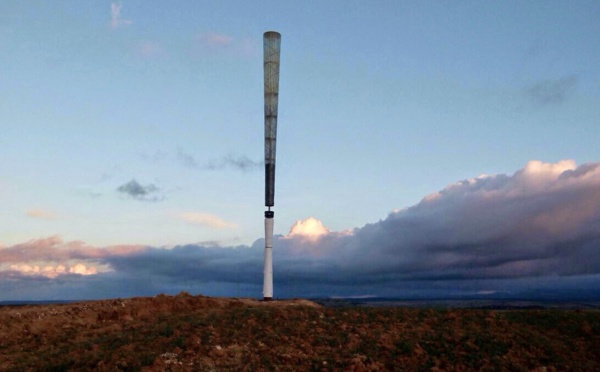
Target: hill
{"points": [[195, 333]]}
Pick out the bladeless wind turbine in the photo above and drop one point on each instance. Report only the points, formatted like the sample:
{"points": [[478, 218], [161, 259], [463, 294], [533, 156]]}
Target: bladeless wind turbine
{"points": [[272, 45]]}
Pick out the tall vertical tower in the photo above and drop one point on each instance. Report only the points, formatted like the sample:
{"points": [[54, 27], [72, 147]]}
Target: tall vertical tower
{"points": [[272, 47]]}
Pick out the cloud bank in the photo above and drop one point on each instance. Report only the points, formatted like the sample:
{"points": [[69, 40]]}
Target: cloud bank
{"points": [[51, 258], [535, 231]]}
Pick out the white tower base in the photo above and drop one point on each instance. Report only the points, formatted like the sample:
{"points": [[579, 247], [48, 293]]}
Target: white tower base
{"points": [[268, 271]]}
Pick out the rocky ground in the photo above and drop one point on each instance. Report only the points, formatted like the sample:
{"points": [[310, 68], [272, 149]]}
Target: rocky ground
{"points": [[196, 333]]}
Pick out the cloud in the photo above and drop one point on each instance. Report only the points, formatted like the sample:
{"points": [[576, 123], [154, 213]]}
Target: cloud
{"points": [[242, 163], [534, 232], [136, 191], [115, 16], [81, 269], [53, 248], [541, 221], [155, 158], [206, 220], [53, 258], [53, 272], [187, 159], [215, 43], [150, 49], [215, 39], [310, 228], [551, 91], [40, 214]]}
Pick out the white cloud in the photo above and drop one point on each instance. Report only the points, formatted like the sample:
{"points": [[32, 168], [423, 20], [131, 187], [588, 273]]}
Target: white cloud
{"points": [[309, 237], [116, 20], [51, 271], [81, 269], [206, 220], [309, 228]]}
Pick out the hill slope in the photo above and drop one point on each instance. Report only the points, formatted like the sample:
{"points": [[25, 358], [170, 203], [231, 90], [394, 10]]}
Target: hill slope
{"points": [[190, 333]]}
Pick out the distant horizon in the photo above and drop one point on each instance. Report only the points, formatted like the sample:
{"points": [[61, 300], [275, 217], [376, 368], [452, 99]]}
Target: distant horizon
{"points": [[424, 149], [585, 301]]}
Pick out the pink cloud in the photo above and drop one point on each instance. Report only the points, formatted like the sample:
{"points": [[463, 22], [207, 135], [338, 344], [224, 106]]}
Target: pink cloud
{"points": [[214, 39], [206, 220], [40, 214], [210, 43], [51, 257]]}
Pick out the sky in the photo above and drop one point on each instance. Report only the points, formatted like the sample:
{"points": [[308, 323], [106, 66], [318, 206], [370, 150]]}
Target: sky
{"points": [[425, 149]]}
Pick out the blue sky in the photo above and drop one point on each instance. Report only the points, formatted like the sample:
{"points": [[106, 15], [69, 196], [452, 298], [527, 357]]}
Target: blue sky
{"points": [[136, 128]]}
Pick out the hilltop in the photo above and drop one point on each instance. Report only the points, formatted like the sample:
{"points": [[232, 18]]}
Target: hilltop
{"points": [[191, 333]]}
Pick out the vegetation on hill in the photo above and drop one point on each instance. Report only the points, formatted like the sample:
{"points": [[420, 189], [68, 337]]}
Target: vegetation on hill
{"points": [[196, 333]]}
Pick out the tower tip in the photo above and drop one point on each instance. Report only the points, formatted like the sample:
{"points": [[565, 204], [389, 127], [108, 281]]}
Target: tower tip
{"points": [[272, 33]]}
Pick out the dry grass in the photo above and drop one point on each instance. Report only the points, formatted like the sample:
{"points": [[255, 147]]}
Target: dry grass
{"points": [[195, 333]]}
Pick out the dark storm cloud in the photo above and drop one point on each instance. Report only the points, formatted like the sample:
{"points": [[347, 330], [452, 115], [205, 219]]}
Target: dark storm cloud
{"points": [[551, 91], [536, 228], [139, 192], [192, 263], [543, 220]]}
